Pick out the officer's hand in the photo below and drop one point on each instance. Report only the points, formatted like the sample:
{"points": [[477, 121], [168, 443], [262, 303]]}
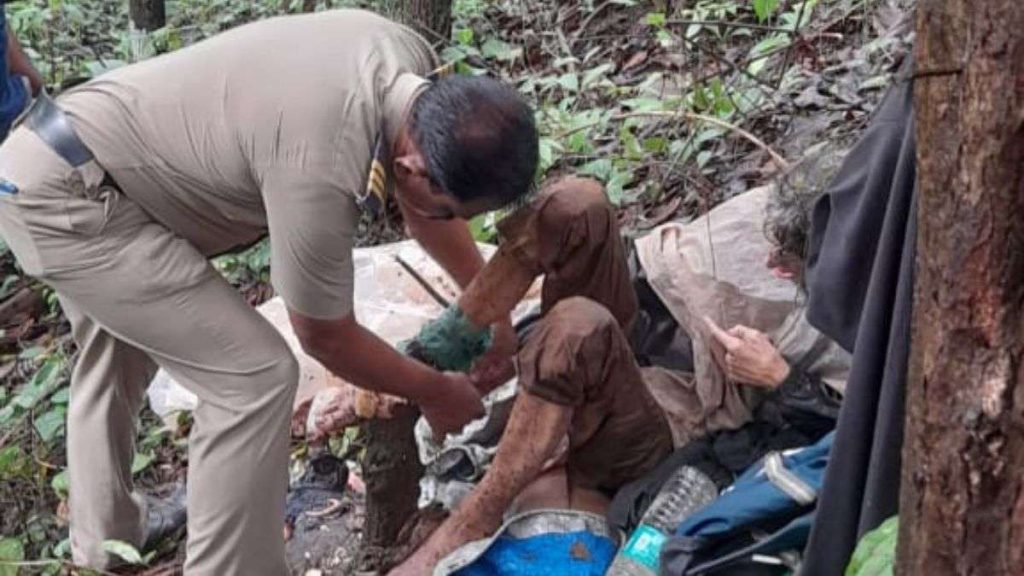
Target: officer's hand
{"points": [[497, 366], [750, 356], [456, 404]]}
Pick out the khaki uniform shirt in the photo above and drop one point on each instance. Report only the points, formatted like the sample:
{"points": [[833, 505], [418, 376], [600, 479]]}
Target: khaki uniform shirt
{"points": [[267, 128]]}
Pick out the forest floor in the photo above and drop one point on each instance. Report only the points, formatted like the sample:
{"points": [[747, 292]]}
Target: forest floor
{"points": [[674, 108]]}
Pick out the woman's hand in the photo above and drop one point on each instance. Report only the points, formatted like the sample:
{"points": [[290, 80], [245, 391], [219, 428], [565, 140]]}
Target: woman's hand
{"points": [[750, 356], [497, 365]]}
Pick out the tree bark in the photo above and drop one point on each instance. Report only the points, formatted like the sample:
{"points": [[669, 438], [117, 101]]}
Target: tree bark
{"points": [[432, 18], [148, 14], [962, 499], [391, 467], [392, 471]]}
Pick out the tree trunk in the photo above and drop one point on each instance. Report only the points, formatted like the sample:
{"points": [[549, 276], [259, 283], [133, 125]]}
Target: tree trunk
{"points": [[962, 500], [305, 6], [147, 14], [391, 470], [391, 467], [432, 18]]}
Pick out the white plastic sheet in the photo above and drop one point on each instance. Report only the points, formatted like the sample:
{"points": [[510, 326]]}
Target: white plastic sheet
{"points": [[388, 301]]}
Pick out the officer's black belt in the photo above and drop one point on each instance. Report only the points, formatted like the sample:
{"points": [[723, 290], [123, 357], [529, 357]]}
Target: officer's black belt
{"points": [[50, 123]]}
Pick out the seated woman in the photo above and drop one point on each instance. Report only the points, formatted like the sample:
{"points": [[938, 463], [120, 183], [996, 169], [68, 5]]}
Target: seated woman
{"points": [[580, 381]]}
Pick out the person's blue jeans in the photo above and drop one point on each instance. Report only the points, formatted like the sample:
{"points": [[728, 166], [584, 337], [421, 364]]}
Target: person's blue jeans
{"points": [[13, 94]]}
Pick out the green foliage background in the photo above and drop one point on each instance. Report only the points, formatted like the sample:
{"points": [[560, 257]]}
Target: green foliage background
{"points": [[609, 98]]}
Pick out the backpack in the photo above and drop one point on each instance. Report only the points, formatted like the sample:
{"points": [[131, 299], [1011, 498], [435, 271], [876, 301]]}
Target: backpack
{"points": [[759, 525]]}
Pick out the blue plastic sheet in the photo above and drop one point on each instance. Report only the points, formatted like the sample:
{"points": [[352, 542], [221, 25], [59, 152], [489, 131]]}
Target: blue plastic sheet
{"points": [[568, 554]]}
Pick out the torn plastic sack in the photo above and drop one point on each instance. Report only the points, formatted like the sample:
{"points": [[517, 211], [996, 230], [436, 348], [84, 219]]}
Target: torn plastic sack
{"points": [[716, 266], [388, 301], [538, 543], [453, 467]]}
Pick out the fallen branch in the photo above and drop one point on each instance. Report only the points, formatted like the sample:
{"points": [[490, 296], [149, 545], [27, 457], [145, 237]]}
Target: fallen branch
{"points": [[50, 564], [726, 62], [26, 302], [692, 116], [167, 569], [586, 22], [676, 22], [792, 42]]}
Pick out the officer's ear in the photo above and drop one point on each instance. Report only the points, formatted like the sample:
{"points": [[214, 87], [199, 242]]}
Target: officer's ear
{"points": [[410, 166]]}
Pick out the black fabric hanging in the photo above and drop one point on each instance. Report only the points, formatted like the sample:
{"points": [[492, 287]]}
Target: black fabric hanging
{"points": [[860, 286]]}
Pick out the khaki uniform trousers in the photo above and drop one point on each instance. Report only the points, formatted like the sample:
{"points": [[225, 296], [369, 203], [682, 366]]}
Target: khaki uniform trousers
{"points": [[139, 296]]}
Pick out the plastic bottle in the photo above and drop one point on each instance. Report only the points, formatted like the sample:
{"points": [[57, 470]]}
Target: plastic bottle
{"points": [[685, 492]]}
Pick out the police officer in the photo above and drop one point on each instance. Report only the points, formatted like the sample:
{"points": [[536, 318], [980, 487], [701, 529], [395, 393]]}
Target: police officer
{"points": [[117, 194]]}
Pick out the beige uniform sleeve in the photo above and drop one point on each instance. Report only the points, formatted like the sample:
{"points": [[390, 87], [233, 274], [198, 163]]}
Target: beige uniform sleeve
{"points": [[312, 223]]}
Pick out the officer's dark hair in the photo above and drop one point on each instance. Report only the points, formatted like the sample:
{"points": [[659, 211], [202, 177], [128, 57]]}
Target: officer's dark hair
{"points": [[478, 138]]}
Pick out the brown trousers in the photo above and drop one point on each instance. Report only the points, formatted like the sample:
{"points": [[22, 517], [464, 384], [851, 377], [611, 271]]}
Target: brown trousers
{"points": [[578, 354]]}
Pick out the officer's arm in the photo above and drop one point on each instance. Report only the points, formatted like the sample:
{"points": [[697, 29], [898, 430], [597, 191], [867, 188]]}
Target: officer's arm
{"points": [[312, 220], [359, 356]]}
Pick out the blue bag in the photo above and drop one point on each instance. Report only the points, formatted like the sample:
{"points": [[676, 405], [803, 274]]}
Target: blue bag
{"points": [[759, 525], [13, 95], [539, 543]]}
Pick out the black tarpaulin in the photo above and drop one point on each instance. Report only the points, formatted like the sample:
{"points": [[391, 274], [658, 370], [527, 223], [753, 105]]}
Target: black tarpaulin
{"points": [[860, 285]]}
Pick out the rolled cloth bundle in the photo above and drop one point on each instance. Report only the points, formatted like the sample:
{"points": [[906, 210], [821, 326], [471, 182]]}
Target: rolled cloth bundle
{"points": [[450, 342]]}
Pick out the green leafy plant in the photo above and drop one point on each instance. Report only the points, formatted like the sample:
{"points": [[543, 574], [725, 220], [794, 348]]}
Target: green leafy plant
{"points": [[876, 553], [12, 551], [252, 264], [764, 8], [124, 551], [51, 374], [610, 106]]}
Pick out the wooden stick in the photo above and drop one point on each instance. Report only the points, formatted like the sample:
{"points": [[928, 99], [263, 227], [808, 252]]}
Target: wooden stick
{"points": [[437, 296], [676, 22]]}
